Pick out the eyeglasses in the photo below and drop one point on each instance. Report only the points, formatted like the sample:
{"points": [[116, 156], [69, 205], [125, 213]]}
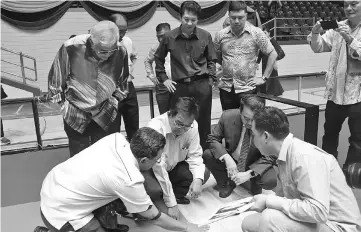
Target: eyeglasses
{"points": [[102, 52], [181, 126], [107, 52]]}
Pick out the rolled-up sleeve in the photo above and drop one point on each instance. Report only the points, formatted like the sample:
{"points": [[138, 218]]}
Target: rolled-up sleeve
{"points": [[312, 179], [194, 158], [320, 43]]}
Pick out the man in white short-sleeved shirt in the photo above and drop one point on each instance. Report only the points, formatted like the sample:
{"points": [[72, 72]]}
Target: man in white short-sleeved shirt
{"points": [[107, 170]]}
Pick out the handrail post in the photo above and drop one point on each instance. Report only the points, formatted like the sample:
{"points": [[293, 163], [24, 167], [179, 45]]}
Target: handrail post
{"points": [[151, 102], [275, 28], [299, 90], [35, 70], [22, 67], [311, 125], [34, 104]]}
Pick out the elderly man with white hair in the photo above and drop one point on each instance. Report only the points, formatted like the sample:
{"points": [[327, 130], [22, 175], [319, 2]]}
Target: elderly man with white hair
{"points": [[87, 79]]}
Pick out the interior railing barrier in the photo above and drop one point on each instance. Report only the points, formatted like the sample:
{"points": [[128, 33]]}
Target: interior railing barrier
{"points": [[311, 112]]}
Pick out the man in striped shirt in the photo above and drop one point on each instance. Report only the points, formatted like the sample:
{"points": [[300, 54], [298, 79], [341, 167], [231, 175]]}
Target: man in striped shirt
{"points": [[87, 79]]}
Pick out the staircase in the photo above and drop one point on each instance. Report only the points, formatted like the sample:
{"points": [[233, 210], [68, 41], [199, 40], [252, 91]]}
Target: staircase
{"points": [[9, 77]]}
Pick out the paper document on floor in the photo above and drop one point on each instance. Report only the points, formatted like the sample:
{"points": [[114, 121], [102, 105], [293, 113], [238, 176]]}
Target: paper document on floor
{"points": [[230, 209]]}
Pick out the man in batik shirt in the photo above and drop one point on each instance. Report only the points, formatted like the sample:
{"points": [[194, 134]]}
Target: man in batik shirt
{"points": [[237, 48], [87, 79]]}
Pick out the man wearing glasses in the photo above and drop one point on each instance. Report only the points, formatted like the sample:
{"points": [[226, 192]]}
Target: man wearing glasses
{"points": [[87, 79], [181, 172], [239, 161]]}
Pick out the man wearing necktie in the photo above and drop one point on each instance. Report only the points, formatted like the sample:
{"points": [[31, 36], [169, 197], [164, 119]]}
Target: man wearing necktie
{"points": [[238, 161]]}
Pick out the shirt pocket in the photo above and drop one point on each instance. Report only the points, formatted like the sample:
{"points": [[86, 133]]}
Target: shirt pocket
{"points": [[198, 51]]}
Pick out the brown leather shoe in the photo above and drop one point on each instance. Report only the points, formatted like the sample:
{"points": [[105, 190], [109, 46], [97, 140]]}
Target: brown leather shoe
{"points": [[227, 189]]}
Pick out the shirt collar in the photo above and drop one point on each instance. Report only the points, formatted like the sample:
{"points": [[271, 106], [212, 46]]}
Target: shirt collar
{"points": [[167, 128], [247, 27], [284, 148], [195, 33], [120, 141]]}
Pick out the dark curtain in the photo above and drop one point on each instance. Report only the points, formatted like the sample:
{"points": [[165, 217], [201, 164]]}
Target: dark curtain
{"points": [[135, 19], [208, 15], [35, 21]]}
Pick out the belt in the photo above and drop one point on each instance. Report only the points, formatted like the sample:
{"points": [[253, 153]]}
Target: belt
{"points": [[191, 79]]}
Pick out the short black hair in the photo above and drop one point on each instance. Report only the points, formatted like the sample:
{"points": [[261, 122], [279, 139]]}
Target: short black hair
{"points": [[185, 105], [272, 120], [162, 26], [146, 142], [254, 102], [191, 6], [116, 16], [72, 36], [237, 6]]}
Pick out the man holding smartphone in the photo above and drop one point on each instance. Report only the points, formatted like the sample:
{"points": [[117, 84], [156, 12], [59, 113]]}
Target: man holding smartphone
{"points": [[343, 80]]}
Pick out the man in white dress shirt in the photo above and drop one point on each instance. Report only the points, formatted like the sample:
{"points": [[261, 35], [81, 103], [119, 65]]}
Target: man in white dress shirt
{"points": [[106, 171], [180, 174], [311, 195]]}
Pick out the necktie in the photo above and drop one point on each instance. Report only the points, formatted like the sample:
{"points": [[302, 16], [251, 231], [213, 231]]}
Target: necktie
{"points": [[241, 165]]}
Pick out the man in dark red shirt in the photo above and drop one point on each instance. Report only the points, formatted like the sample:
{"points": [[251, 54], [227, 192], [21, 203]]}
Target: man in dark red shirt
{"points": [[193, 67]]}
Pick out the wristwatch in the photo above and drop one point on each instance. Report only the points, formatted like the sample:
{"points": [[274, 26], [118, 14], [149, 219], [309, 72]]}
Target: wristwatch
{"points": [[264, 78], [253, 174]]}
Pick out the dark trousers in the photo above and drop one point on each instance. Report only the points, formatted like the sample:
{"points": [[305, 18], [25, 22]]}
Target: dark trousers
{"points": [[335, 115], [267, 180], [129, 109], [180, 177], [2, 128], [92, 226], [201, 90], [92, 133], [232, 100], [162, 96]]}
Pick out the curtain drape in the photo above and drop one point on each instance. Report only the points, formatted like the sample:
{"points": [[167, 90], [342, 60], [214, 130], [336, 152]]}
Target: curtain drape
{"points": [[208, 15], [135, 18], [36, 20], [29, 6], [122, 5]]}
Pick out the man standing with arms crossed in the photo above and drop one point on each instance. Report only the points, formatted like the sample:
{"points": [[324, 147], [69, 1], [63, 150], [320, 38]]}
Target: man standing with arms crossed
{"points": [[192, 64]]}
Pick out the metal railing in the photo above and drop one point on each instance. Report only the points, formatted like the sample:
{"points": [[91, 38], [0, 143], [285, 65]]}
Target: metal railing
{"points": [[311, 113], [21, 65], [276, 28]]}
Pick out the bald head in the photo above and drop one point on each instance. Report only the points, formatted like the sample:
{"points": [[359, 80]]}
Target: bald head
{"points": [[105, 34]]}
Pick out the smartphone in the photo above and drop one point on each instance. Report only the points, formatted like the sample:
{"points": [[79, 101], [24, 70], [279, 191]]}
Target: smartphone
{"points": [[329, 24]]}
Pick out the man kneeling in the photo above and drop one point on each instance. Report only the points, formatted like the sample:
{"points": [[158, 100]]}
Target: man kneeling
{"points": [[238, 161], [312, 193], [106, 171]]}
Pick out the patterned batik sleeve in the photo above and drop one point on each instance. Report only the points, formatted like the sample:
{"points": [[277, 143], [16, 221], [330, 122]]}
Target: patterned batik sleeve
{"points": [[57, 76], [264, 43]]}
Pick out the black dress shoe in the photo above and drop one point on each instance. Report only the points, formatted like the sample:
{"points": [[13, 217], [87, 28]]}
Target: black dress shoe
{"points": [[183, 201], [226, 189], [41, 229]]}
